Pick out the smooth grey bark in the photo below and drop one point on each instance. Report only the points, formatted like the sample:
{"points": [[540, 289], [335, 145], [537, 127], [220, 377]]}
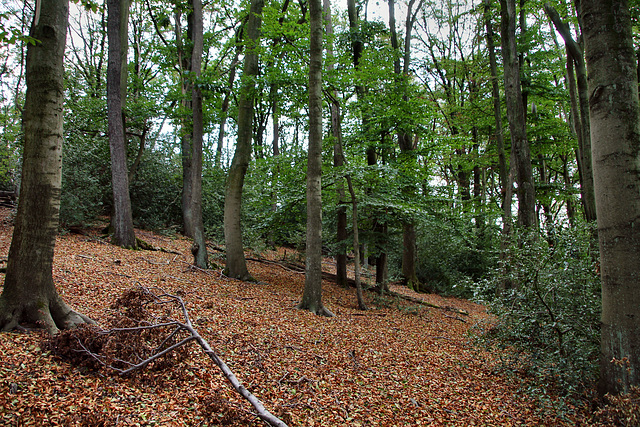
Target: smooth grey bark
{"points": [[236, 265], [615, 138], [29, 295], [312, 294], [516, 115], [122, 220], [576, 54]]}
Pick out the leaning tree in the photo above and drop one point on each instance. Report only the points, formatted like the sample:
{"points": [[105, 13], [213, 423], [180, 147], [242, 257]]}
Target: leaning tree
{"points": [[29, 295]]}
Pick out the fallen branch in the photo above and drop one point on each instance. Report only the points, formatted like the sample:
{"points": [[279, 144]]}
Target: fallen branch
{"points": [[428, 304], [168, 345]]}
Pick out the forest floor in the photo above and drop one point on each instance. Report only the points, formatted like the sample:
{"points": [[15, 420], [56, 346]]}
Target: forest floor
{"points": [[398, 364]]}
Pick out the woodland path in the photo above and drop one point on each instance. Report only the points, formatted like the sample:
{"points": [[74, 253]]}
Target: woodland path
{"points": [[398, 364]]}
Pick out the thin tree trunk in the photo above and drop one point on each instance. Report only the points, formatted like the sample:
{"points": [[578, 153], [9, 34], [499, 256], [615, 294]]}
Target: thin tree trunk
{"points": [[122, 221], [615, 133], [236, 265], [517, 120], [225, 105], [29, 295], [575, 54], [356, 246], [312, 295], [503, 171], [196, 35], [338, 159]]}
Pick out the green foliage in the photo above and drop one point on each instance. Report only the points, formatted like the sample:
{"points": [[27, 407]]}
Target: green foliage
{"points": [[155, 192], [548, 321], [85, 182]]}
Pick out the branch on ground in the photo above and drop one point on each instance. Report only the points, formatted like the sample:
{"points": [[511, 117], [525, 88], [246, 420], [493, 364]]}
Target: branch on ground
{"points": [[145, 336]]}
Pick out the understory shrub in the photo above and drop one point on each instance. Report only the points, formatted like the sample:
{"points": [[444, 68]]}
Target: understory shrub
{"points": [[450, 257], [549, 313]]}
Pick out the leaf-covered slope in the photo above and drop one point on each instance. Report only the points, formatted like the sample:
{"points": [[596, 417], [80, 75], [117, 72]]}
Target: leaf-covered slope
{"points": [[397, 364]]}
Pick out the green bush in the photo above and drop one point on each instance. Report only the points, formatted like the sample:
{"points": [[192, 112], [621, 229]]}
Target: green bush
{"points": [[86, 179], [548, 320]]}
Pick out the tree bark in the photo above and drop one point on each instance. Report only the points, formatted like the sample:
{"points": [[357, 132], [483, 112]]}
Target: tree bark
{"points": [[516, 115], [615, 133], [236, 265], [338, 160], [575, 54], [122, 221], [503, 170], [196, 35], [312, 295], [405, 142], [29, 295]]}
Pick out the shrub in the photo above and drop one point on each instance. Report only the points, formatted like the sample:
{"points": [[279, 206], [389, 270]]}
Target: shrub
{"points": [[548, 322]]}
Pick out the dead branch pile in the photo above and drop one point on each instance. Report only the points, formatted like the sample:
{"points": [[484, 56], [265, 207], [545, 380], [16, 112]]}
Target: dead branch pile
{"points": [[143, 333]]}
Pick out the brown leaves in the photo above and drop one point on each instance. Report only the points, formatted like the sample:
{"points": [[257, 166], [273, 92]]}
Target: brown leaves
{"points": [[398, 364]]}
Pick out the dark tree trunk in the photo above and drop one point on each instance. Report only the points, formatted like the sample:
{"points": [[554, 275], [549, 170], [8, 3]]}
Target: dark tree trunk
{"points": [[575, 54], [29, 295], [236, 265], [503, 170], [122, 221], [196, 35], [517, 119], [405, 141], [338, 160], [615, 133]]}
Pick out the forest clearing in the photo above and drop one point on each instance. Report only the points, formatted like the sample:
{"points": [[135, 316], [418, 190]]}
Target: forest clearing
{"points": [[397, 364]]}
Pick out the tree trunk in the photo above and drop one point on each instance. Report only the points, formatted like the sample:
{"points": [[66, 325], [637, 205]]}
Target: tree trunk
{"points": [[29, 295], [516, 115], [615, 133], [409, 248], [503, 171], [338, 159], [575, 54], [236, 265], [312, 295], [122, 221], [225, 104], [356, 247], [196, 35]]}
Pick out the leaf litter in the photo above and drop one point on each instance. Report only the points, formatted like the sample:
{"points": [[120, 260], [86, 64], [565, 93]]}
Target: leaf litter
{"points": [[398, 364]]}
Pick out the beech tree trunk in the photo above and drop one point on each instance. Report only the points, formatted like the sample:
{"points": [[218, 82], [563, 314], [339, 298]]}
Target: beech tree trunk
{"points": [[312, 295], [194, 173], [615, 133], [122, 221], [236, 265], [516, 115], [29, 295]]}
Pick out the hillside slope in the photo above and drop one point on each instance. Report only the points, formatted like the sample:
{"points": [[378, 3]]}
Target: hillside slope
{"points": [[398, 364]]}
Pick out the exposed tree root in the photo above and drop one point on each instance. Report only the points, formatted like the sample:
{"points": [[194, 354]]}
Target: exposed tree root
{"points": [[319, 310], [52, 317]]}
